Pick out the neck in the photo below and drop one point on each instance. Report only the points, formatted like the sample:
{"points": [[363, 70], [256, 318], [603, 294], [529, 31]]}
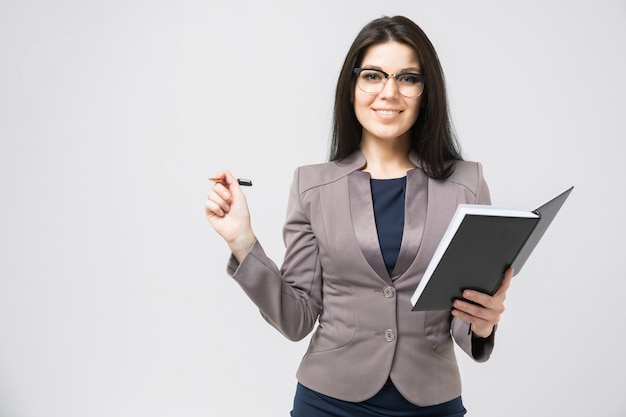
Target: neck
{"points": [[386, 159]]}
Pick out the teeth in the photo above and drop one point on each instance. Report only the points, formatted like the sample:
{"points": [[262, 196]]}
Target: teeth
{"points": [[388, 111]]}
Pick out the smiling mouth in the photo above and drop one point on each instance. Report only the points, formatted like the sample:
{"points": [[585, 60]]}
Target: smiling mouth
{"points": [[388, 112]]}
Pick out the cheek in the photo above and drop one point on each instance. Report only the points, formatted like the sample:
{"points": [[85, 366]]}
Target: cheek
{"points": [[417, 109], [358, 98], [361, 107]]}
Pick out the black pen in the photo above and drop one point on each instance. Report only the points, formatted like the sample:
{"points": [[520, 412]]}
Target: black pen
{"points": [[242, 181]]}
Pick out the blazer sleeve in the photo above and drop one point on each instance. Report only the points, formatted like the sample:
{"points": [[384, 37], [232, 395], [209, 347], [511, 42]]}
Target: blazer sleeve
{"points": [[289, 298], [477, 348]]}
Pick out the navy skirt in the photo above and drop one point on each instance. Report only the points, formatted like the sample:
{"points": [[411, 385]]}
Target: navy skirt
{"points": [[387, 403]]}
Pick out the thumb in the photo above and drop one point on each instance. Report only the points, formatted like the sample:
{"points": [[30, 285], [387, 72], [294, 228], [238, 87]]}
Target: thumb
{"points": [[231, 183]]}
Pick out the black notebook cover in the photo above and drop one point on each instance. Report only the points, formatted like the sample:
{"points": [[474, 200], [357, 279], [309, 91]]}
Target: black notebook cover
{"points": [[478, 248]]}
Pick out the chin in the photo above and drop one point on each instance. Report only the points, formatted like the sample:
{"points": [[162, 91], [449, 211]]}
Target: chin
{"points": [[388, 136]]}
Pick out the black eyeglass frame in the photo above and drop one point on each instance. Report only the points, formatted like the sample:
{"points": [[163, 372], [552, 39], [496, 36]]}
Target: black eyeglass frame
{"points": [[358, 71]]}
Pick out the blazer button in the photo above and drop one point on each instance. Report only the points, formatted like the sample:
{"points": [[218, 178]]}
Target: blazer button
{"points": [[388, 292], [389, 336]]}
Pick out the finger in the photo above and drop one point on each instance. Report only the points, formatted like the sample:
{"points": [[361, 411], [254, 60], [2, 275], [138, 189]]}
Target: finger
{"points": [[217, 204], [229, 181], [228, 186], [211, 209], [484, 300], [219, 176], [460, 314], [221, 190], [225, 178], [484, 313], [478, 325]]}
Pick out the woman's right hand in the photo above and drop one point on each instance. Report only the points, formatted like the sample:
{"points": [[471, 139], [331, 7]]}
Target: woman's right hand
{"points": [[227, 211]]}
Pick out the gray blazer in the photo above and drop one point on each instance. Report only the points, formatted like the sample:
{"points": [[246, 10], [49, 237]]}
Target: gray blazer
{"points": [[334, 274]]}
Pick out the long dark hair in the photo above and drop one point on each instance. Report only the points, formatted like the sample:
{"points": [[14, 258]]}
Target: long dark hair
{"points": [[432, 135]]}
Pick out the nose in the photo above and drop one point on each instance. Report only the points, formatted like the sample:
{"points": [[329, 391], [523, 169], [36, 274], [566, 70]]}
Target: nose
{"points": [[390, 88]]}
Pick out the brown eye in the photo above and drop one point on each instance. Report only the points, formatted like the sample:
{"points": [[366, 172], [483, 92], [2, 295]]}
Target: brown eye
{"points": [[372, 76]]}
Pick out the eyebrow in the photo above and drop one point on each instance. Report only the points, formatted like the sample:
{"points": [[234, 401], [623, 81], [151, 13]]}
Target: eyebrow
{"points": [[410, 69]]}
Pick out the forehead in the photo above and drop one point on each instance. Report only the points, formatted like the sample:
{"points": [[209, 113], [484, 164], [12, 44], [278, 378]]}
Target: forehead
{"points": [[390, 55]]}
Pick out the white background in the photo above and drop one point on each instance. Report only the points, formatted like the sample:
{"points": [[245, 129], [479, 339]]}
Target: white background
{"points": [[114, 300]]}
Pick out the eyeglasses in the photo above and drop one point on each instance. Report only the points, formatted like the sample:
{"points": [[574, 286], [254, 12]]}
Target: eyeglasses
{"points": [[409, 84]]}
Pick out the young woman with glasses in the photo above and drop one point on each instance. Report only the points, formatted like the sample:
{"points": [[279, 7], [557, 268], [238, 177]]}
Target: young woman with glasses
{"points": [[359, 233]]}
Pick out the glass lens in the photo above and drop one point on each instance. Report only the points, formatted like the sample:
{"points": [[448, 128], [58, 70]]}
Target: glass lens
{"points": [[409, 84], [371, 81]]}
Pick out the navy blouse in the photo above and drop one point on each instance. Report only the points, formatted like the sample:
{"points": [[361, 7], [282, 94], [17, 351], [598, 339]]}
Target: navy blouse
{"points": [[388, 199]]}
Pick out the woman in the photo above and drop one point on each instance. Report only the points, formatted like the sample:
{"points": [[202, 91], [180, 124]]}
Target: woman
{"points": [[359, 233]]}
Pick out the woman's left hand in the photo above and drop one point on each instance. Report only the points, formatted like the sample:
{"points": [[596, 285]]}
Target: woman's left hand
{"points": [[485, 314]]}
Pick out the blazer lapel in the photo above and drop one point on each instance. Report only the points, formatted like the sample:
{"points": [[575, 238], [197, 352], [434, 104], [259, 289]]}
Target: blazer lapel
{"points": [[364, 223], [415, 211]]}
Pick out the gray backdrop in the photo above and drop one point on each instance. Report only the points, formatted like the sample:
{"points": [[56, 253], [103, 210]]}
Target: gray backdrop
{"points": [[114, 300]]}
